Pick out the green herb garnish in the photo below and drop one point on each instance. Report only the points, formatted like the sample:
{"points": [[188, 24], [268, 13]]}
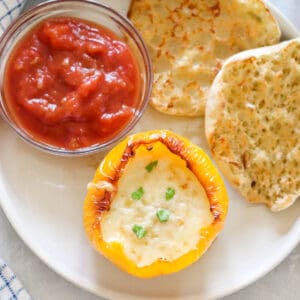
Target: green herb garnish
{"points": [[163, 215], [152, 165], [139, 231], [170, 193], [138, 194]]}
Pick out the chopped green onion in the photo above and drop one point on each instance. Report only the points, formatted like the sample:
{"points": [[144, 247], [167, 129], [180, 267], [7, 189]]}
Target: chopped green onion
{"points": [[152, 165], [138, 194], [163, 215], [170, 193], [139, 231]]}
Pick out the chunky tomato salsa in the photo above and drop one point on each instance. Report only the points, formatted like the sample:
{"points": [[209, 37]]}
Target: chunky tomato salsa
{"points": [[71, 83]]}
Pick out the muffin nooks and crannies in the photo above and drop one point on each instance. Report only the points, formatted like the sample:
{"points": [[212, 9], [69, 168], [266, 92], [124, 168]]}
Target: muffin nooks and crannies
{"points": [[252, 123], [189, 41]]}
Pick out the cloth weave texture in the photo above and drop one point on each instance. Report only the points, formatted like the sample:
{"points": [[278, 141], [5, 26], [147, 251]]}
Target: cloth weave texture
{"points": [[9, 9], [10, 287]]}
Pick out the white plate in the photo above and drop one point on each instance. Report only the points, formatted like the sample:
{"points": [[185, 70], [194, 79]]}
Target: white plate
{"points": [[42, 197]]}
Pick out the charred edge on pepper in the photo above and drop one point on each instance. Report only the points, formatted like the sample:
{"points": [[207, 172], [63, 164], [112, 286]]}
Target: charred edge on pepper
{"points": [[214, 205], [103, 204], [216, 213], [174, 145], [149, 148]]}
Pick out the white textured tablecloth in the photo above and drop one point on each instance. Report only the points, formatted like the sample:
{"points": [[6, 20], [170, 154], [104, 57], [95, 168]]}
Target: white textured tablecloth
{"points": [[10, 286], [283, 283]]}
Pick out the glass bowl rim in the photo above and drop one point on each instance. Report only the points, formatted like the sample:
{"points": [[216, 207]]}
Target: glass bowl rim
{"points": [[125, 24]]}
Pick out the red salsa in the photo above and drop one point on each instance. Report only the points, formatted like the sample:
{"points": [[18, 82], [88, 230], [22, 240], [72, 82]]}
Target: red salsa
{"points": [[71, 83]]}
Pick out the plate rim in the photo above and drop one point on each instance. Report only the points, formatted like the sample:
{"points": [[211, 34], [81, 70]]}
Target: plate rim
{"points": [[293, 32]]}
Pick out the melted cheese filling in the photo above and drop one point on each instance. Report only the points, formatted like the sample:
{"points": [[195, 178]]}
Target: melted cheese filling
{"points": [[189, 208]]}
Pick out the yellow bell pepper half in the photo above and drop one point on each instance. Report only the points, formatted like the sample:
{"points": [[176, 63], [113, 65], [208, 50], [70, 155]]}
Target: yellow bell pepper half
{"points": [[99, 198]]}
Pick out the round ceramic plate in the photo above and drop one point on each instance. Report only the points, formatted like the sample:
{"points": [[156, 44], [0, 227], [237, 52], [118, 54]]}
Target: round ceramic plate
{"points": [[42, 196]]}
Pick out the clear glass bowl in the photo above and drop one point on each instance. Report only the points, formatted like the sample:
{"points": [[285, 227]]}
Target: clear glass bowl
{"points": [[96, 13]]}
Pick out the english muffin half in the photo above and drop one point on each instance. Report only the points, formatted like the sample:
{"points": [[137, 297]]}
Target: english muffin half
{"points": [[189, 41], [252, 123]]}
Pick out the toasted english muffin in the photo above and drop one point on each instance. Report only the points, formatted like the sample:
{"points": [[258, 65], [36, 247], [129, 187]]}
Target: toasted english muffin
{"points": [[189, 40], [252, 123]]}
